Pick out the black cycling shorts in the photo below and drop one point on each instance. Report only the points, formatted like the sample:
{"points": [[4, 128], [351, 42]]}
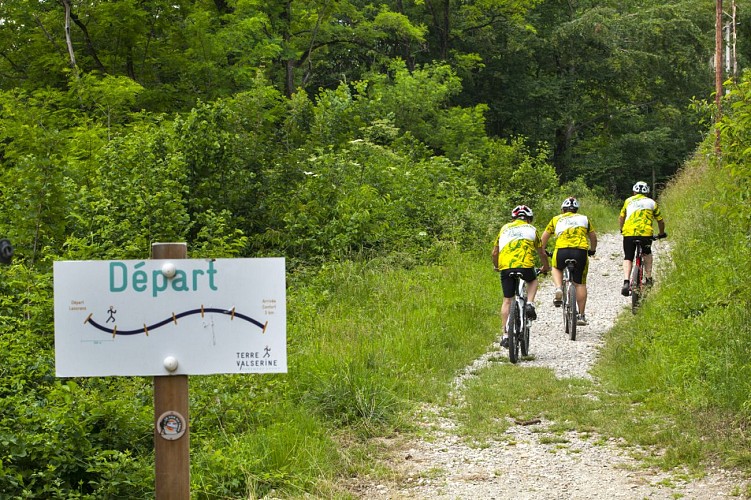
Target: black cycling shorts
{"points": [[561, 255], [629, 246], [507, 282]]}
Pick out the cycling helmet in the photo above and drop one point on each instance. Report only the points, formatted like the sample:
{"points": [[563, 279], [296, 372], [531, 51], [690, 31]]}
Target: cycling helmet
{"points": [[6, 251], [522, 212], [570, 204], [641, 187]]}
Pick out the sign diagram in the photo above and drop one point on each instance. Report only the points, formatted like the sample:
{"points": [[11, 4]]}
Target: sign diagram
{"points": [[206, 316], [202, 311]]}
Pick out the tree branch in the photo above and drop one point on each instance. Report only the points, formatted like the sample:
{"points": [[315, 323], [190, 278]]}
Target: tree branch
{"points": [[89, 43], [68, 41]]}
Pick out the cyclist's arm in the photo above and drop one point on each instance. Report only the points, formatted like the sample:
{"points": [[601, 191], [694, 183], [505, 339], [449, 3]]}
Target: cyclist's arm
{"points": [[544, 239], [592, 241], [661, 226], [621, 220], [494, 256], [544, 259]]}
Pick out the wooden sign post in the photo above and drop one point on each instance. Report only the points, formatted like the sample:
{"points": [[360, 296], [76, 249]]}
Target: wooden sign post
{"points": [[171, 429], [169, 317]]}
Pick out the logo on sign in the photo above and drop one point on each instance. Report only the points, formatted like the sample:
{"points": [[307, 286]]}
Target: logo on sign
{"points": [[171, 425]]}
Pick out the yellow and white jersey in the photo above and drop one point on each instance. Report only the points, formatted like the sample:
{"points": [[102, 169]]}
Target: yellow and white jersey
{"points": [[570, 230], [518, 242], [639, 213]]}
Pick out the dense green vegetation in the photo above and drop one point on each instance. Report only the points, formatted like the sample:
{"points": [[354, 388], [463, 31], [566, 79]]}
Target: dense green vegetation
{"points": [[377, 148], [598, 86]]}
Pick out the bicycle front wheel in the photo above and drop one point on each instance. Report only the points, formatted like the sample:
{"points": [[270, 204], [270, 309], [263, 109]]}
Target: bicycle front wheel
{"points": [[525, 339], [571, 310], [514, 327]]}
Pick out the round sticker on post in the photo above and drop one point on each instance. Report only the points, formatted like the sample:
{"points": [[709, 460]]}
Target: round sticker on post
{"points": [[171, 425]]}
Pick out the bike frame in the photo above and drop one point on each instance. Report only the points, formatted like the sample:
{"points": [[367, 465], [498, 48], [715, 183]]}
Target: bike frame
{"points": [[569, 305], [636, 284], [517, 325]]}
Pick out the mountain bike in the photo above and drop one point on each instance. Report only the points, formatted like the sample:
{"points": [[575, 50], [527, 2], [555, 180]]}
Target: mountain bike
{"points": [[569, 306], [636, 281], [518, 324]]}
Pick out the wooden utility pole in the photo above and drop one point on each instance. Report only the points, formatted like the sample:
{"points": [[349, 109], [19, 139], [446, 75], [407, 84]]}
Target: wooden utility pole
{"points": [[171, 449], [718, 75]]}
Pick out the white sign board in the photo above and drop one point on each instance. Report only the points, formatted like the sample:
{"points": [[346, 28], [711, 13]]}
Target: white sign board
{"points": [[129, 318]]}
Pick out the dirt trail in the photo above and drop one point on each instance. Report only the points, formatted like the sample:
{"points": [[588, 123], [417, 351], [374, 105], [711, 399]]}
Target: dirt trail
{"points": [[440, 466]]}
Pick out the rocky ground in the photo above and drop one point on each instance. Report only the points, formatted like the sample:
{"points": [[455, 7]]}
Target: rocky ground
{"points": [[441, 466]]}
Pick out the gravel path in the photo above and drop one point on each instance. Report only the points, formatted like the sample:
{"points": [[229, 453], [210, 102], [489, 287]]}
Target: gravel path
{"points": [[440, 466]]}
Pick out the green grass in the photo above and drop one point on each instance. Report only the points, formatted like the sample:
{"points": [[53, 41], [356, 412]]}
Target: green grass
{"points": [[384, 337], [675, 378], [686, 354], [369, 342]]}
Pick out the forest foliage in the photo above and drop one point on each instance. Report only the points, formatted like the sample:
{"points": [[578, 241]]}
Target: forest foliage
{"points": [[330, 133]]}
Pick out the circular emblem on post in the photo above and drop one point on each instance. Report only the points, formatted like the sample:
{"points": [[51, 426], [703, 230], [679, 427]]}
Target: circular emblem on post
{"points": [[171, 425]]}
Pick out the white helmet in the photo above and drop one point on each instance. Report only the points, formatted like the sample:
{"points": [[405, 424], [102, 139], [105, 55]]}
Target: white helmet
{"points": [[641, 187], [522, 212], [570, 203]]}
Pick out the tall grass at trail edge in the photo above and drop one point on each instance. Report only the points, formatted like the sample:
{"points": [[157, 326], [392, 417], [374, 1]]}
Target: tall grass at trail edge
{"points": [[675, 378], [686, 354], [369, 340]]}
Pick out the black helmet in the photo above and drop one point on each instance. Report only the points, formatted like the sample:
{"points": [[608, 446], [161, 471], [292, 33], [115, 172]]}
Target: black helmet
{"points": [[6, 251]]}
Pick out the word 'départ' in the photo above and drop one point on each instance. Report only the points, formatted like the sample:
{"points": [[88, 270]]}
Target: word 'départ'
{"points": [[138, 280]]}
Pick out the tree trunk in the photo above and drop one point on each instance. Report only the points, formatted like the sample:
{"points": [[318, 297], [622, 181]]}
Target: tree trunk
{"points": [[563, 137], [68, 41], [289, 63]]}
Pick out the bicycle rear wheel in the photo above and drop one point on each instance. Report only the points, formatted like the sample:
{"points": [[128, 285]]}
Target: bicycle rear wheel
{"points": [[525, 337], [514, 325], [571, 310], [636, 278]]}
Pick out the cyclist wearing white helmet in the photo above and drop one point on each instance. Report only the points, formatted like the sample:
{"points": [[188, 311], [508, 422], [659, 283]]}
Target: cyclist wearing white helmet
{"points": [[636, 220], [514, 250], [575, 239]]}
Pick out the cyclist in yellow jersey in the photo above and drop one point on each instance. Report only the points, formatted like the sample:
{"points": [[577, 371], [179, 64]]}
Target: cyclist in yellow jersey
{"points": [[575, 239], [636, 220], [514, 250]]}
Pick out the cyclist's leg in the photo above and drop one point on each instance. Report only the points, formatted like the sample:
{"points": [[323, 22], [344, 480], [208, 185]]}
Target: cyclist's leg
{"points": [[581, 288], [507, 285], [556, 269], [530, 277], [557, 273], [532, 290], [504, 313], [557, 276], [629, 248]]}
